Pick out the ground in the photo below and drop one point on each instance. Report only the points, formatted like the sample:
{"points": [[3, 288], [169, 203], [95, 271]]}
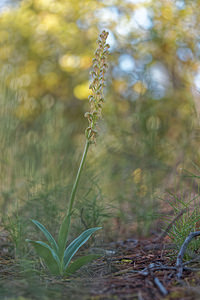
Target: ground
{"points": [[116, 275]]}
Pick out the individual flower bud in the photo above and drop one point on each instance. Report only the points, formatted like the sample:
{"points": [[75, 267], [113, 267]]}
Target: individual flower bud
{"points": [[91, 98], [107, 46], [97, 52], [99, 86], [105, 52], [96, 68], [94, 131], [95, 113], [92, 73]]}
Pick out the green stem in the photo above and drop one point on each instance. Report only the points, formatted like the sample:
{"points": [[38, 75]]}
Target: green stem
{"points": [[73, 193], [65, 226]]}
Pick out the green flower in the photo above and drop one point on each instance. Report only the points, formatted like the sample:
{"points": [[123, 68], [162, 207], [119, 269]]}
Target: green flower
{"points": [[98, 82]]}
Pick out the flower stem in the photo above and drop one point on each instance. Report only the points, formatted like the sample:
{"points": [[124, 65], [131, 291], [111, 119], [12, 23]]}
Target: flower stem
{"points": [[65, 226], [74, 189]]}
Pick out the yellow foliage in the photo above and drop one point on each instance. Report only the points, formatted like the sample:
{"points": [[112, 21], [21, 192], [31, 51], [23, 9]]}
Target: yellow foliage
{"points": [[167, 11], [22, 81], [4, 36], [5, 52], [82, 91], [49, 22], [27, 109], [123, 106], [185, 110], [137, 175], [171, 36], [139, 87], [25, 80], [56, 8], [85, 62], [142, 190], [119, 86], [42, 4], [30, 66], [69, 63], [50, 80]]}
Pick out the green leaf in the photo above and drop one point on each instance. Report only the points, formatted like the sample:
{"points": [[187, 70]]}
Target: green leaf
{"points": [[63, 235], [76, 244], [48, 255], [79, 262], [47, 235]]}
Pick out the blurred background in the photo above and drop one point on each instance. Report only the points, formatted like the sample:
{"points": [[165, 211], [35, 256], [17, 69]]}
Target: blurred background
{"points": [[150, 129]]}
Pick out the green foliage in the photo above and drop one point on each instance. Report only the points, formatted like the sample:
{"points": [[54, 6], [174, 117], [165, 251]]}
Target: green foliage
{"points": [[63, 234], [76, 244], [49, 256], [40, 200], [56, 261], [47, 235], [91, 210], [79, 262], [16, 226], [188, 222]]}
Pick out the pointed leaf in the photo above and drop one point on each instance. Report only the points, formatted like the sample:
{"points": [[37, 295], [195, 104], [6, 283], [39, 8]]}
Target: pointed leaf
{"points": [[81, 261], [48, 255], [47, 235], [63, 235], [76, 244]]}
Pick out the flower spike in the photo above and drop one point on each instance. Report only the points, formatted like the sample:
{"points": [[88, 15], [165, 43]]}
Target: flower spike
{"points": [[97, 85]]}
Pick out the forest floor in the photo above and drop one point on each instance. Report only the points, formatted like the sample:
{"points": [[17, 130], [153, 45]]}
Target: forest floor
{"points": [[129, 269]]}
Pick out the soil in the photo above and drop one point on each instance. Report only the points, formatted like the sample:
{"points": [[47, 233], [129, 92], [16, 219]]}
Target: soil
{"points": [[116, 275]]}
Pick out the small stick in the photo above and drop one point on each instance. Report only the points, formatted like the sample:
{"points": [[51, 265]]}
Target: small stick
{"points": [[196, 259], [179, 261], [149, 271], [191, 269], [140, 296], [160, 286], [155, 267]]}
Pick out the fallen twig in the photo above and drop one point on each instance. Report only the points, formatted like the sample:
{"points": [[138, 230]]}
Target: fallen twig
{"points": [[155, 267], [196, 259], [179, 261], [191, 269], [140, 296], [160, 286]]}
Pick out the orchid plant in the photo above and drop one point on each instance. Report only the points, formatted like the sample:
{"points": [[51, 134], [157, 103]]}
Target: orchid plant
{"points": [[56, 256]]}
